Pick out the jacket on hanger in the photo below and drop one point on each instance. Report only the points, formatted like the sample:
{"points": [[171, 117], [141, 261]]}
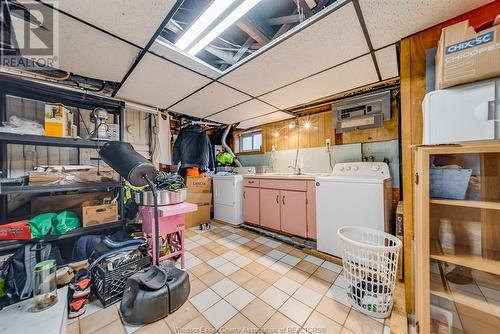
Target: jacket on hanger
{"points": [[193, 148]]}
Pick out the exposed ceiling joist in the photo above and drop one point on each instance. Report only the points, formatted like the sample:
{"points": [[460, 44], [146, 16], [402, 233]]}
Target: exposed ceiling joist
{"points": [[227, 56], [305, 8], [283, 20], [244, 48], [254, 30]]}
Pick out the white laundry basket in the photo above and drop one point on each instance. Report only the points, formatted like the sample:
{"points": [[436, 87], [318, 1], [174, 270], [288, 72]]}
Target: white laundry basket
{"points": [[370, 260]]}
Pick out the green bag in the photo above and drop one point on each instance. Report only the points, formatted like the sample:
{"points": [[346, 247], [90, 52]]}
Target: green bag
{"points": [[65, 222], [53, 223], [41, 224]]}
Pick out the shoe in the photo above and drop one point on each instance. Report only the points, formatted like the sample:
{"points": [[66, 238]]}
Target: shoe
{"points": [[80, 284], [77, 307]]}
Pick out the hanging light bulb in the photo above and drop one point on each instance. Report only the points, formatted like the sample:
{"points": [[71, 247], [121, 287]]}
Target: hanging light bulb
{"points": [[276, 134], [307, 125], [291, 125]]}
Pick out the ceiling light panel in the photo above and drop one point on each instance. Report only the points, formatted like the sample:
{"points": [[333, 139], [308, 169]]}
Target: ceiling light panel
{"points": [[166, 51], [228, 21], [331, 40], [250, 109], [159, 83], [356, 73], [213, 11], [209, 100], [270, 118], [388, 21], [387, 62], [86, 51], [132, 20]]}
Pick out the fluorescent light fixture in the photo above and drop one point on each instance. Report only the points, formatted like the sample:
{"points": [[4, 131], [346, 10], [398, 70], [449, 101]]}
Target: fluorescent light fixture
{"points": [[223, 25], [209, 15]]}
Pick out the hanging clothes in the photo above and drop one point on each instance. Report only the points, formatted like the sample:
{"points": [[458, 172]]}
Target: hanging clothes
{"points": [[163, 151], [193, 148]]}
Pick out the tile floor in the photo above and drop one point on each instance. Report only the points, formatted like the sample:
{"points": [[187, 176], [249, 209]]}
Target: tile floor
{"points": [[242, 282]]}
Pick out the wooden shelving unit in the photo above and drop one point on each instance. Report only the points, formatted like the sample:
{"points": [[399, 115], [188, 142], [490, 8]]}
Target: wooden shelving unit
{"points": [[466, 252], [467, 204]]}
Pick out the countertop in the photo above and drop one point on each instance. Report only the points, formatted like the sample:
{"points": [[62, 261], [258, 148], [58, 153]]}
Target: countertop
{"points": [[285, 176]]}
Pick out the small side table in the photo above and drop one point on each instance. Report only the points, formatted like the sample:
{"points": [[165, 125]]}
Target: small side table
{"points": [[171, 221]]}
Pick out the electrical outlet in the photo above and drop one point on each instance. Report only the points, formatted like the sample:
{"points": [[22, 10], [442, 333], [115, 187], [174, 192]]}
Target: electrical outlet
{"points": [[327, 143]]}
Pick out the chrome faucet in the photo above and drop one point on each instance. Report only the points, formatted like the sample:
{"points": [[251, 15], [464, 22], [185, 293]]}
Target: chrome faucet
{"points": [[296, 170]]}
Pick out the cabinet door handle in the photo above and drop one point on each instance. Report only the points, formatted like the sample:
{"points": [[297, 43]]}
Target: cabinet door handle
{"points": [[244, 194], [277, 199], [283, 199], [251, 182]]}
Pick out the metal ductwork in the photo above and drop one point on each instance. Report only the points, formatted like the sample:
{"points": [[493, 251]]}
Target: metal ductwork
{"points": [[226, 146]]}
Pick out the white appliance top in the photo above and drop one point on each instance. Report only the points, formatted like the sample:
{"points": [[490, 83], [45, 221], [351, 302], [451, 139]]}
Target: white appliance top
{"points": [[238, 171], [366, 172]]}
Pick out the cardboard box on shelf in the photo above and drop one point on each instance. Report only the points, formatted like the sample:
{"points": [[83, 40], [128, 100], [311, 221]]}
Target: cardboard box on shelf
{"points": [[464, 55], [199, 184], [58, 121], [95, 213], [15, 231], [202, 215]]}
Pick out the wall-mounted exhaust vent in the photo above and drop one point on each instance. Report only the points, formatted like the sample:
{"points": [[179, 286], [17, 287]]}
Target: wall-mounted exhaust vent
{"points": [[362, 112]]}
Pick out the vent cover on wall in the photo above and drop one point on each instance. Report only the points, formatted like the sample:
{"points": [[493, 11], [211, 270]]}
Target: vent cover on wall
{"points": [[362, 112]]}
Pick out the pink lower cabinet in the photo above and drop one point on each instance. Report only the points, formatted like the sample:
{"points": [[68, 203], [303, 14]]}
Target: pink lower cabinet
{"points": [[288, 206], [270, 208], [294, 212], [251, 205]]}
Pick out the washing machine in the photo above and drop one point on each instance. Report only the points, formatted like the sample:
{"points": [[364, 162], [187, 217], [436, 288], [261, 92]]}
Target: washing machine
{"points": [[356, 194], [228, 195]]}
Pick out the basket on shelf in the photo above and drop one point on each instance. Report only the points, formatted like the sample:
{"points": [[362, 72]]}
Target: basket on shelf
{"points": [[109, 285]]}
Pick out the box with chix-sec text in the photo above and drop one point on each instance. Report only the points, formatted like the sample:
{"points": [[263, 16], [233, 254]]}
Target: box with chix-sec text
{"points": [[466, 55]]}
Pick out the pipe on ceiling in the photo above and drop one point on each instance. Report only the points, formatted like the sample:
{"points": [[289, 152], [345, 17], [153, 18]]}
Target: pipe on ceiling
{"points": [[226, 146]]}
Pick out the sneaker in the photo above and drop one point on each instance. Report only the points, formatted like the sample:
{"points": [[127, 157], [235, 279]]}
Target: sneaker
{"points": [[80, 284]]}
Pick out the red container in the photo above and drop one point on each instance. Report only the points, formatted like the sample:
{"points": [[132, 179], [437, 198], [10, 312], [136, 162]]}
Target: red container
{"points": [[15, 231]]}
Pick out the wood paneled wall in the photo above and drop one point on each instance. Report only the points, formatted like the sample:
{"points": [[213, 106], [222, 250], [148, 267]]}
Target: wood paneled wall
{"points": [[412, 61], [322, 129]]}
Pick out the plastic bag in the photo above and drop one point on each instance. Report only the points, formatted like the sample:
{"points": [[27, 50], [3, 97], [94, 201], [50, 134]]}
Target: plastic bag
{"points": [[65, 222], [53, 223], [22, 126], [41, 224]]}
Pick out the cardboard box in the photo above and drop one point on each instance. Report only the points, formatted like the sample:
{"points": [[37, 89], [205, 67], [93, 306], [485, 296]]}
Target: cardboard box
{"points": [[58, 121], [199, 184], [200, 198], [465, 56], [94, 213], [202, 215], [15, 231]]}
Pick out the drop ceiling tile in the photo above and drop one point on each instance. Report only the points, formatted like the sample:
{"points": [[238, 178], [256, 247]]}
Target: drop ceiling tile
{"points": [[387, 62], [211, 99], [334, 39], [356, 73], [86, 51], [132, 20], [247, 110], [270, 118], [388, 21], [159, 83]]}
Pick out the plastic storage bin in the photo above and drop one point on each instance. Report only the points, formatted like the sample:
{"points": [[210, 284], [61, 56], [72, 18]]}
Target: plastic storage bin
{"points": [[370, 260], [109, 285]]}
